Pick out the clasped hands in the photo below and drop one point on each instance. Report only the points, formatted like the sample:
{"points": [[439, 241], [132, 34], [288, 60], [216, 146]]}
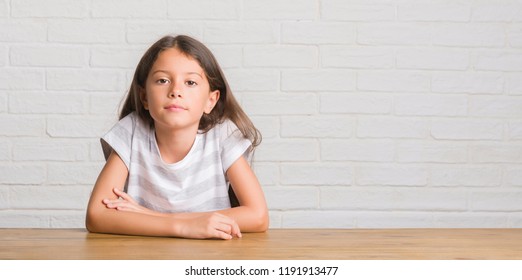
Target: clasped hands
{"points": [[199, 225]]}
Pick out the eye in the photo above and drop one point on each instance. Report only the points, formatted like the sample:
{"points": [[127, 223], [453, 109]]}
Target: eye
{"points": [[191, 83], [162, 81]]}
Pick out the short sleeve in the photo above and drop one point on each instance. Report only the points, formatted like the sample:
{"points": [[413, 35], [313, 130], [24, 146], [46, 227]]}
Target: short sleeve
{"points": [[232, 144], [119, 139]]}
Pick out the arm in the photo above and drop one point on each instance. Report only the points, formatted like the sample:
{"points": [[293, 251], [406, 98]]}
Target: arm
{"points": [[102, 218], [252, 214]]}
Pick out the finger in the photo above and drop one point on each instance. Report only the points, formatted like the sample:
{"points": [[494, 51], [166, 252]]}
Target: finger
{"points": [[236, 231], [122, 194], [222, 235]]}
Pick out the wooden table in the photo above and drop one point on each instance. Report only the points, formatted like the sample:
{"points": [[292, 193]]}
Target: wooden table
{"points": [[286, 244]]}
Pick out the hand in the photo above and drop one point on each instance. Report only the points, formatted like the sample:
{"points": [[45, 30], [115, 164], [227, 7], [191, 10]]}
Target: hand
{"points": [[209, 225], [125, 203]]}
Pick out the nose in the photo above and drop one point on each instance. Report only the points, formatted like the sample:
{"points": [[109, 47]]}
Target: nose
{"points": [[175, 93]]}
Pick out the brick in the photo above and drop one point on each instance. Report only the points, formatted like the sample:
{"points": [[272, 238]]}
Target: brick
{"points": [[22, 174], [467, 82], [5, 150], [470, 220], [78, 127], [515, 130], [291, 198], [228, 56], [513, 176], [357, 150], [392, 219], [3, 102], [48, 55], [433, 10], [505, 200], [280, 56], [268, 126], [469, 35], [316, 174], [256, 32], [148, 31], [279, 103], [466, 176], [453, 129], [106, 103], [401, 81], [274, 219], [4, 198], [33, 30], [24, 219], [116, 57], [392, 199], [416, 151], [287, 150], [3, 56], [282, 10], [514, 35], [514, 83], [317, 33], [496, 153], [21, 79], [491, 106], [67, 219], [357, 57], [128, 9], [47, 103], [318, 80], [496, 60], [318, 219], [49, 197], [52, 8], [73, 174], [88, 80], [4, 9], [360, 10], [93, 31], [360, 103], [49, 150], [252, 79], [317, 126], [19, 125], [204, 9], [95, 151], [498, 11], [267, 173], [386, 33], [397, 175], [431, 105], [381, 127], [432, 59]]}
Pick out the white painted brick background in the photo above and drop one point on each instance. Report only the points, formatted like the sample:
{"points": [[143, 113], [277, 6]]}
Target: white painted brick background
{"points": [[375, 113]]}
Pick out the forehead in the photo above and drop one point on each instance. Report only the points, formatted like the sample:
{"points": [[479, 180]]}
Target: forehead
{"points": [[173, 59]]}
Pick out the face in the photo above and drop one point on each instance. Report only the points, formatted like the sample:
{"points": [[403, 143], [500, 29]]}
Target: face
{"points": [[177, 92]]}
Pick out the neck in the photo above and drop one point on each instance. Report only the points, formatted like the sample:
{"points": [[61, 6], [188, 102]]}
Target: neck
{"points": [[175, 144]]}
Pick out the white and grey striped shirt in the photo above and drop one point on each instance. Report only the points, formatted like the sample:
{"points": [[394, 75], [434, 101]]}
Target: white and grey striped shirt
{"points": [[197, 183]]}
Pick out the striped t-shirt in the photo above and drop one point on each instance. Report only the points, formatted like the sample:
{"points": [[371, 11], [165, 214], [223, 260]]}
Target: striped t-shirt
{"points": [[197, 183]]}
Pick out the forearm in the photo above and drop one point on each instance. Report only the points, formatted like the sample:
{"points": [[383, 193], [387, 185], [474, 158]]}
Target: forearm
{"points": [[131, 223], [249, 219]]}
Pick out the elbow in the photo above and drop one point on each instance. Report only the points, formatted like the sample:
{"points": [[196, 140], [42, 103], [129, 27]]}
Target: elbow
{"points": [[91, 219], [262, 223]]}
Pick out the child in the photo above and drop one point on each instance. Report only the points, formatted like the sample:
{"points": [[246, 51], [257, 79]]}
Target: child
{"points": [[181, 140]]}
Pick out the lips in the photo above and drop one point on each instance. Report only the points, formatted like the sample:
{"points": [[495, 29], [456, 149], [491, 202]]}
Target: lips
{"points": [[175, 107]]}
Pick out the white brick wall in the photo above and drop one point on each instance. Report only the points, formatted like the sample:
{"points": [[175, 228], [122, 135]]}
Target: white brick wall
{"points": [[375, 113]]}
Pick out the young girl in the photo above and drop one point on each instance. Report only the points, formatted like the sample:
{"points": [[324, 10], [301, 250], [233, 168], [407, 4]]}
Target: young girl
{"points": [[182, 139]]}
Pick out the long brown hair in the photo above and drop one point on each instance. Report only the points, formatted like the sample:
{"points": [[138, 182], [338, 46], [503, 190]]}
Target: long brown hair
{"points": [[226, 108]]}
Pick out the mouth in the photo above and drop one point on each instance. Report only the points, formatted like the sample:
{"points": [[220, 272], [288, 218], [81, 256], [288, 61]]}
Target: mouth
{"points": [[174, 107]]}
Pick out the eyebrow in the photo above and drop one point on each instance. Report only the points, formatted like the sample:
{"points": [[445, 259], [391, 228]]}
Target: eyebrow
{"points": [[188, 73]]}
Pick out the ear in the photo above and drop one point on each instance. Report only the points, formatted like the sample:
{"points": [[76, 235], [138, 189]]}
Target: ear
{"points": [[143, 98], [212, 101]]}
